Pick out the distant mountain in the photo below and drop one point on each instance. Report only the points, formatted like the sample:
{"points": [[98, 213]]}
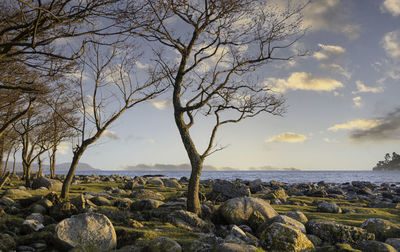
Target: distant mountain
{"points": [[59, 167], [186, 167]]}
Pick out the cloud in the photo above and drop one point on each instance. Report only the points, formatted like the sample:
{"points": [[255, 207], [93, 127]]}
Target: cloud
{"points": [[328, 140], [110, 134], [361, 88], [303, 81], [388, 129], [64, 147], [330, 15], [391, 6], [357, 124], [336, 68], [287, 137], [391, 43], [161, 104], [358, 102], [330, 55], [141, 65]]}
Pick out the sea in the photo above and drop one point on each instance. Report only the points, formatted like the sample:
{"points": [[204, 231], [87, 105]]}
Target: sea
{"points": [[291, 177]]}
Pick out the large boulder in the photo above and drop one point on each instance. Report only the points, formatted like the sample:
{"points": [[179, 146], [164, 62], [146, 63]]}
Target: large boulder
{"points": [[51, 184], [17, 194], [282, 237], [88, 230], [375, 246], [298, 215], [164, 244], [172, 183], [147, 194], [328, 207], [337, 233], [239, 210], [155, 182], [284, 220], [101, 201], [394, 242], [382, 229], [276, 194], [223, 190]]}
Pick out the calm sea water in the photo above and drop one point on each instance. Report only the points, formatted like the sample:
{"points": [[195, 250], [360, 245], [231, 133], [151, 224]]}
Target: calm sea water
{"points": [[376, 177]]}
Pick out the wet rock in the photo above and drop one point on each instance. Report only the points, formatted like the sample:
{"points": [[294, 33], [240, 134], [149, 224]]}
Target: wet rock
{"points": [[51, 184], [164, 244], [383, 229], [328, 207], [87, 230], [223, 190], [337, 233], [238, 210], [282, 237], [375, 246]]}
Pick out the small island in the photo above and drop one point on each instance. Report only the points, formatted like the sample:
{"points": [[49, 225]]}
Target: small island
{"points": [[391, 163]]}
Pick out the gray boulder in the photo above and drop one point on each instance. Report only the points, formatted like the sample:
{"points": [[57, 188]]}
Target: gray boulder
{"points": [[328, 207], [282, 237], [172, 183], [297, 215], [155, 182], [337, 233], [51, 184], [223, 190], [284, 220], [17, 194], [239, 210], [383, 229], [88, 230], [164, 244], [276, 194], [101, 201], [147, 194]]}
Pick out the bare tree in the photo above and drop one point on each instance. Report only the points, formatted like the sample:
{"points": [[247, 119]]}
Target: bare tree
{"points": [[107, 90], [212, 51]]}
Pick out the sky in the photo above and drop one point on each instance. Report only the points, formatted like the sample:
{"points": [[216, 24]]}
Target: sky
{"points": [[343, 110]]}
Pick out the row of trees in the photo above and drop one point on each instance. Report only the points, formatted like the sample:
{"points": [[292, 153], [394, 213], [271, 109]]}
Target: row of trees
{"points": [[391, 163], [70, 69]]}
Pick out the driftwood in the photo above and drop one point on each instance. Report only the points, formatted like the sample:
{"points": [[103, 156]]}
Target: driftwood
{"points": [[4, 179]]}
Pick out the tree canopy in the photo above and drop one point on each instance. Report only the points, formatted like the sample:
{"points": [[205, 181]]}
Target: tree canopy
{"points": [[391, 163]]}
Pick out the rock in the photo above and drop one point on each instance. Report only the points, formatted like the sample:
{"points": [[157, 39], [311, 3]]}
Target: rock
{"points": [[172, 183], [340, 247], [256, 220], [155, 182], [5, 201], [87, 230], [375, 246], [101, 201], [164, 244], [17, 194], [147, 194], [276, 194], [239, 210], [37, 208], [394, 242], [123, 203], [131, 184], [328, 207], [51, 184], [146, 204], [337, 233], [63, 210], [223, 190], [315, 240], [25, 249], [7, 243], [237, 235], [33, 225], [297, 215], [189, 220], [282, 237], [285, 220], [383, 229], [234, 247], [36, 216]]}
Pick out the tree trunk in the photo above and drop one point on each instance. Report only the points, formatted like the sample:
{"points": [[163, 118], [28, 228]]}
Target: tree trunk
{"points": [[6, 164], [14, 161], [53, 163], [40, 171], [68, 179], [27, 173], [193, 201], [3, 179]]}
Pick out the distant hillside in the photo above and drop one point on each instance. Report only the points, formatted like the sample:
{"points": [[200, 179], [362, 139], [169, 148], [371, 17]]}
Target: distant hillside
{"points": [[59, 167], [186, 167]]}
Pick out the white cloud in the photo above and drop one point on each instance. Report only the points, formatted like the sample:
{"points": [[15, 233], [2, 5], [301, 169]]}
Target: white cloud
{"points": [[329, 52], [357, 124], [361, 88], [358, 102], [140, 65], [287, 137], [391, 6], [303, 81], [329, 140], [161, 104], [335, 68], [110, 134], [391, 43], [64, 147]]}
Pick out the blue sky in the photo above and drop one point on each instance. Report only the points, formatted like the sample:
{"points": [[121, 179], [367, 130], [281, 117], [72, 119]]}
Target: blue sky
{"points": [[343, 105]]}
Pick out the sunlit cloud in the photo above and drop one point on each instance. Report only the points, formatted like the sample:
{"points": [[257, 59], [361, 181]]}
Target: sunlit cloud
{"points": [[391, 43], [162, 104], [388, 129], [357, 101], [287, 137], [329, 52], [64, 147], [140, 65], [361, 88], [336, 68], [391, 6], [303, 81], [357, 124], [110, 134]]}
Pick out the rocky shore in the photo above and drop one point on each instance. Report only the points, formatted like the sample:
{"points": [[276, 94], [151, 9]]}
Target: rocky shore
{"points": [[114, 213]]}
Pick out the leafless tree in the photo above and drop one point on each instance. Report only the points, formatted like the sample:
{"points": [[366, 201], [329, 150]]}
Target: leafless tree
{"points": [[107, 89], [211, 52]]}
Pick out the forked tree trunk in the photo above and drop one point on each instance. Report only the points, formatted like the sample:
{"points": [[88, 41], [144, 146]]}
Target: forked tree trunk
{"points": [[68, 179]]}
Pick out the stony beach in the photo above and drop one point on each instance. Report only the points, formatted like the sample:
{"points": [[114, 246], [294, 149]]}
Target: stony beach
{"points": [[148, 213]]}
